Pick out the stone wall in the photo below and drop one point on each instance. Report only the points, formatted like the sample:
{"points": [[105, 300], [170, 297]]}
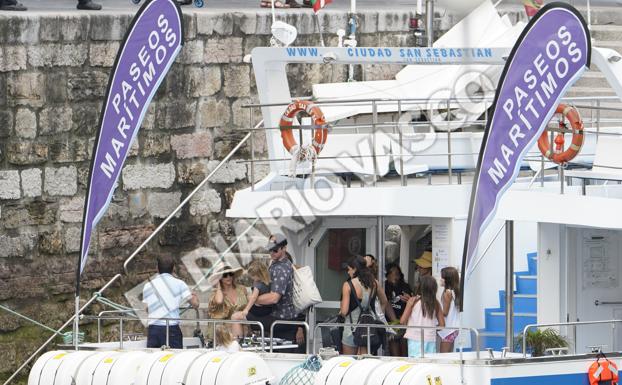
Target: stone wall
{"points": [[53, 75]]}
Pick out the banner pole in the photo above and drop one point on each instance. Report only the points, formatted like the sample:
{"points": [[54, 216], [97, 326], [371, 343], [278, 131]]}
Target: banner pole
{"points": [[76, 323], [319, 28]]}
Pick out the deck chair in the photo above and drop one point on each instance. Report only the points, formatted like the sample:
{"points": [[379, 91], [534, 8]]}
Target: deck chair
{"points": [[607, 162]]}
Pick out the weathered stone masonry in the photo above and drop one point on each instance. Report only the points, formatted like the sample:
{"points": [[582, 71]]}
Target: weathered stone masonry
{"points": [[53, 75]]}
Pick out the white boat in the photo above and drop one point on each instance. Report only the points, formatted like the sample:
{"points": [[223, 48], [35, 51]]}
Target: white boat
{"points": [[379, 175]]}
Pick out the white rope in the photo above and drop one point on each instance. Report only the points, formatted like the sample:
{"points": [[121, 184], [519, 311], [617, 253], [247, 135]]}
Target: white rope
{"points": [[301, 154]]}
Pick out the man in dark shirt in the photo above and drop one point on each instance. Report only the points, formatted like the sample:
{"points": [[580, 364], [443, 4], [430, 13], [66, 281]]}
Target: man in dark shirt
{"points": [[281, 288]]}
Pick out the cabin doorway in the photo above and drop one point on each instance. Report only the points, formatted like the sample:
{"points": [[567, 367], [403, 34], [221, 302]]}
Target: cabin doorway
{"points": [[598, 287]]}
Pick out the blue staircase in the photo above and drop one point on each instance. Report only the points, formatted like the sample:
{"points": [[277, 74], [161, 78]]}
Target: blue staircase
{"points": [[525, 307]]}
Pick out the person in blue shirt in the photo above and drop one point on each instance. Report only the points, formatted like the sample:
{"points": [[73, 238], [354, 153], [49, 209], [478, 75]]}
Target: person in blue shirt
{"points": [[163, 296]]}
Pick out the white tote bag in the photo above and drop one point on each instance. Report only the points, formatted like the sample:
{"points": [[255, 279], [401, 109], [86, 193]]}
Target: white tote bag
{"points": [[306, 292]]}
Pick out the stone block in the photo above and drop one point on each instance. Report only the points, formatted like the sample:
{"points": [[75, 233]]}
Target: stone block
{"points": [[55, 86], [9, 185], [82, 149], [23, 28], [6, 123], [190, 26], [22, 152], [161, 205], [228, 173], [64, 28], [173, 84], [123, 237], [118, 210], [134, 149], [391, 21], [31, 182], [36, 213], [25, 123], [57, 55], [25, 88], [85, 118], [60, 150], [155, 144], [367, 22], [176, 115], [71, 209], [237, 80], [192, 52], [213, 113], [205, 202], [241, 116], [103, 54], [333, 21], [54, 120], [109, 26], [72, 239], [263, 25], [261, 171], [203, 81], [13, 58], [246, 22], [86, 85], [3, 90], [50, 243], [205, 23], [195, 145], [137, 204], [140, 176], [149, 119], [220, 50], [60, 181], [17, 247]]}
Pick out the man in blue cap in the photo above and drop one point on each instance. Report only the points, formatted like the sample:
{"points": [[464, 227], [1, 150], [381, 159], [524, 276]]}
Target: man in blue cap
{"points": [[281, 289]]}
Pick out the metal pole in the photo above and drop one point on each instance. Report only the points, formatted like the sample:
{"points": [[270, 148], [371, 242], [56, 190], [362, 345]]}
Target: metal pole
{"points": [[429, 22], [252, 151], [373, 137], [168, 345], [561, 178], [541, 170], [121, 333], [319, 28], [380, 247], [449, 141], [401, 140], [76, 323], [509, 284]]}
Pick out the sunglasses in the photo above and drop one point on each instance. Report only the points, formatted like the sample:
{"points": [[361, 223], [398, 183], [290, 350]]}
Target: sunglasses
{"points": [[225, 275], [275, 250]]}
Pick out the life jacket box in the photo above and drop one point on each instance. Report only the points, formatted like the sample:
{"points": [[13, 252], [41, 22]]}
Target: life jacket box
{"points": [[221, 368], [349, 372], [163, 365]]}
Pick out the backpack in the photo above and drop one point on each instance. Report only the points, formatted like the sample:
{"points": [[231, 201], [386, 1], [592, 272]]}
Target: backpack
{"points": [[367, 316], [603, 373]]}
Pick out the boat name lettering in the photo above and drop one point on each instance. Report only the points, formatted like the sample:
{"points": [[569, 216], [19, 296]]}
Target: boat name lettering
{"points": [[302, 52], [531, 98], [445, 53], [369, 52]]}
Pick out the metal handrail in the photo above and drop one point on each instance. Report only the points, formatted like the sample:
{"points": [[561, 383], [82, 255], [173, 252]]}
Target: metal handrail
{"points": [[285, 322], [405, 327], [573, 324], [208, 321], [99, 319], [413, 100]]}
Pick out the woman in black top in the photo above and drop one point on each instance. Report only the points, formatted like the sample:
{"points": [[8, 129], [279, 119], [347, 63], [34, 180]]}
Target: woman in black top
{"points": [[398, 293]]}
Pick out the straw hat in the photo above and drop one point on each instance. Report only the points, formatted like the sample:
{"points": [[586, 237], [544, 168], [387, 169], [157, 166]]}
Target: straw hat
{"points": [[425, 261], [220, 269]]}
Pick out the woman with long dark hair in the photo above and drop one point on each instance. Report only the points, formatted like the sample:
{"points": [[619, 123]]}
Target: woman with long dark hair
{"points": [[398, 293], [450, 301], [363, 286]]}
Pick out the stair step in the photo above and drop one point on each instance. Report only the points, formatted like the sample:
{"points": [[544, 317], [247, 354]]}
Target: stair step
{"points": [[495, 321], [592, 79], [523, 303], [590, 91], [602, 33]]}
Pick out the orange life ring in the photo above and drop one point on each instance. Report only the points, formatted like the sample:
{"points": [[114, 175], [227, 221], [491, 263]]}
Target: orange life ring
{"points": [[603, 372], [558, 155], [320, 132]]}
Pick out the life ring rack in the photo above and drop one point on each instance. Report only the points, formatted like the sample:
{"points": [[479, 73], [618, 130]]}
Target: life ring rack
{"points": [[320, 130]]}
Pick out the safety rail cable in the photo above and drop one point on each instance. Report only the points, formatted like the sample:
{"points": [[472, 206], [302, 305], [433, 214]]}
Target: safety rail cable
{"points": [[131, 257], [567, 324], [207, 321], [9, 310], [399, 327]]}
